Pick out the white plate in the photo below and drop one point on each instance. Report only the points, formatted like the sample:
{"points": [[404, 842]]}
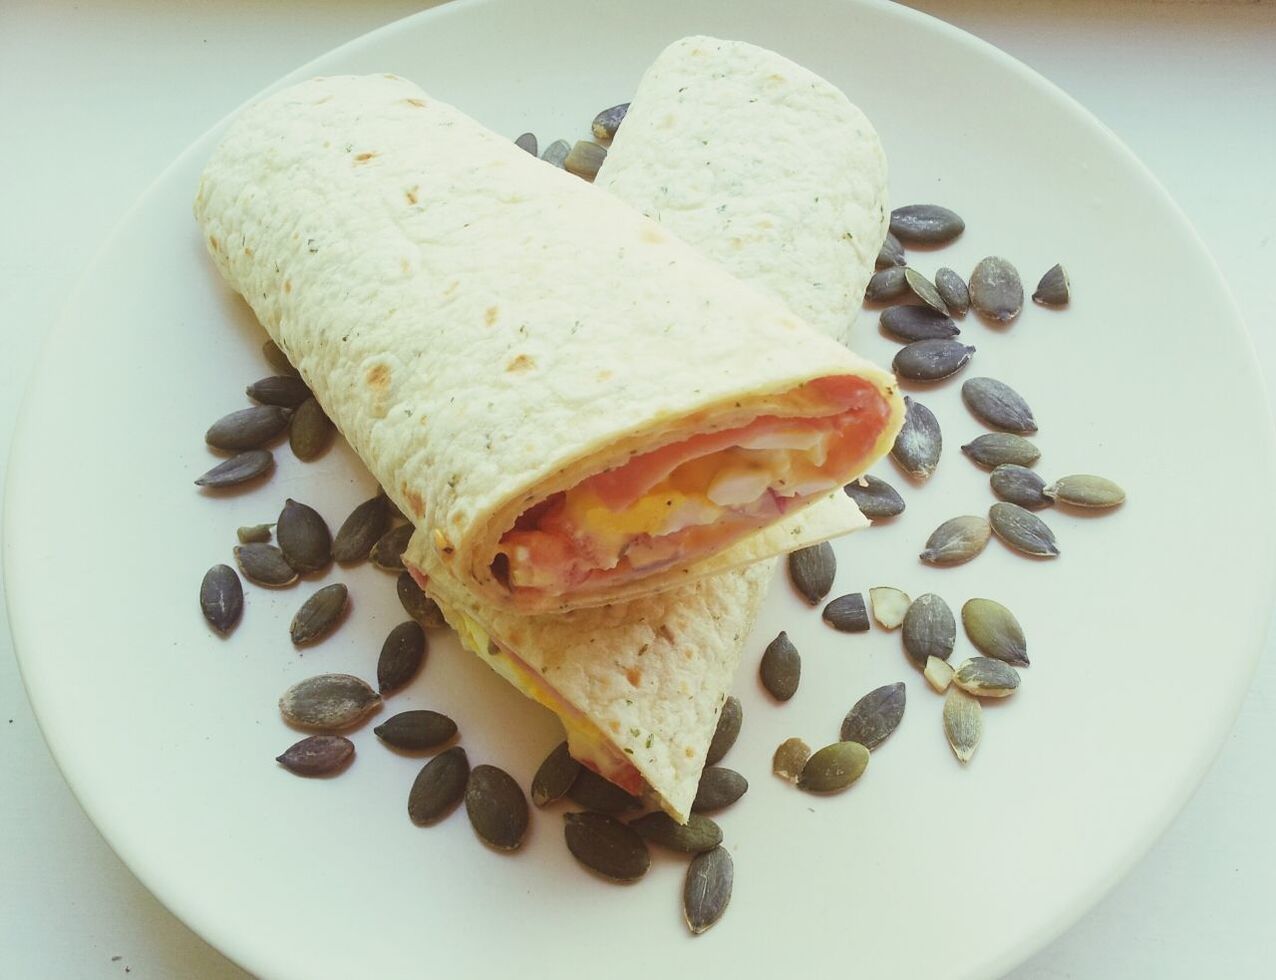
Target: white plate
{"points": [[1143, 634]]}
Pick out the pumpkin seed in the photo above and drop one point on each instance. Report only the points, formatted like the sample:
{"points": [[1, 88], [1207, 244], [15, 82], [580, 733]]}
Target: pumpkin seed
{"points": [[1022, 530], [874, 716], [912, 323], [277, 358], [938, 673], [416, 730], [402, 655], [929, 629], [604, 844], [952, 290], [248, 428], [931, 360], [1019, 485], [303, 537], [311, 431], [439, 786], [706, 891], [318, 755], [919, 443], [254, 533], [264, 564], [781, 668], [875, 498], [396, 515], [1084, 490], [963, 722], [889, 606], [985, 677], [790, 759], [730, 719], [417, 604], [238, 469], [387, 553], [328, 702], [992, 449], [834, 768], [221, 598], [593, 792], [556, 153], [925, 290], [608, 121], [1054, 289], [996, 290], [891, 253], [926, 224], [847, 613], [285, 390], [698, 834], [886, 285], [584, 159], [319, 615], [527, 142], [361, 530], [496, 807], [555, 776], [719, 788], [957, 540], [994, 631], [998, 405], [812, 570]]}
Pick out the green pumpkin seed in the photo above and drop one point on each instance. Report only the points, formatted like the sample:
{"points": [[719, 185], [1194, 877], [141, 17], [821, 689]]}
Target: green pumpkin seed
{"points": [[953, 291], [957, 540], [585, 159], [593, 792], [890, 605], [811, 571], [439, 786], [890, 254], [604, 844], [254, 533], [913, 323], [496, 807], [926, 224], [924, 290], [719, 788], [608, 121], [416, 730], [417, 604], [328, 702], [319, 615], [221, 598], [285, 390], [1022, 530], [886, 285], [1054, 288], [996, 290], [834, 768], [790, 759], [1084, 490], [847, 613], [311, 431], [781, 668], [238, 469], [277, 358], [1019, 485], [995, 448], [248, 428], [931, 360], [929, 629], [730, 718], [527, 142], [938, 674], [698, 834], [994, 631], [985, 677], [875, 498], [318, 755], [387, 553], [875, 716], [918, 446], [706, 891], [303, 537], [555, 776], [556, 153], [264, 564], [401, 658], [998, 405], [361, 530], [963, 722]]}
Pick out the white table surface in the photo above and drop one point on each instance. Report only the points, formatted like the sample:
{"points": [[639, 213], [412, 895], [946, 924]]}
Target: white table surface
{"points": [[97, 97]]}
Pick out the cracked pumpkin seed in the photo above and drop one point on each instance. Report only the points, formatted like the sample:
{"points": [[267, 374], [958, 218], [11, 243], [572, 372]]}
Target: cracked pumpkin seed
{"points": [[417, 604], [264, 564], [875, 716], [593, 792], [303, 537], [311, 431], [886, 285], [1022, 530], [361, 530], [1054, 289], [416, 730], [790, 759], [926, 224], [957, 540], [812, 571], [439, 786], [318, 755], [584, 159], [555, 776], [730, 719], [221, 598], [496, 807], [285, 390], [527, 142], [707, 889], [918, 446], [319, 615], [931, 360], [925, 290], [1019, 485], [604, 844], [913, 323], [277, 358], [719, 788], [985, 677], [401, 658], [996, 291], [998, 405], [834, 768], [556, 153], [952, 290], [328, 702], [994, 631], [608, 121], [254, 533], [890, 254], [781, 668], [1085, 490], [929, 629], [698, 834], [240, 468], [992, 449], [938, 674], [875, 498], [889, 606], [847, 613], [963, 723], [248, 428], [387, 553]]}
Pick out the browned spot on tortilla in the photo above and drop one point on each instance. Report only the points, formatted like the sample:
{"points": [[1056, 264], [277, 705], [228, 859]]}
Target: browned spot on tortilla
{"points": [[451, 287], [441, 543], [520, 363], [666, 633], [690, 752], [604, 375], [614, 726], [737, 243], [378, 377], [413, 497], [410, 194], [790, 324], [405, 265], [212, 240], [490, 315], [775, 78], [364, 157], [248, 251], [634, 676], [419, 103], [652, 234]]}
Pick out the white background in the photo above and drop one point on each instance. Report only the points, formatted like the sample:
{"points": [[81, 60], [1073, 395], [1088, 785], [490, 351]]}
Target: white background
{"points": [[96, 98]]}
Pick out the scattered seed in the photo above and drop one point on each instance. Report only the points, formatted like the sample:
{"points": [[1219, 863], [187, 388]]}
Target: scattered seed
{"points": [[319, 615], [303, 537], [874, 716], [938, 673], [361, 530], [952, 290], [402, 655], [925, 290], [889, 606], [957, 540], [318, 755], [1084, 490], [527, 142], [593, 792], [998, 405], [416, 730], [698, 834], [604, 844], [608, 121], [387, 553], [781, 668], [264, 564], [396, 515], [328, 702], [847, 613], [439, 786], [985, 677], [886, 285], [875, 498], [963, 722], [919, 443], [417, 604], [277, 358], [254, 533], [1019, 485], [926, 224], [707, 889], [729, 720], [556, 153], [891, 253], [992, 449], [996, 290], [1022, 530], [285, 390], [555, 776], [248, 428], [496, 807], [584, 159], [1054, 289], [221, 598], [238, 469], [912, 323], [812, 570], [719, 788], [311, 431], [994, 631], [790, 759], [834, 768], [929, 629], [931, 360]]}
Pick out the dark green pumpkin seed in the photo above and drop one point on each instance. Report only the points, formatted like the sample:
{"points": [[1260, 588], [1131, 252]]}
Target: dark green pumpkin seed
{"points": [[719, 788], [328, 702], [998, 405], [996, 290], [953, 291], [604, 844], [1019, 485], [913, 323], [585, 159], [929, 630], [698, 834], [417, 604], [918, 446], [556, 153], [811, 570], [527, 142], [319, 615], [1054, 289], [875, 498], [834, 768], [402, 655], [248, 428], [995, 448], [240, 468], [706, 891], [891, 253], [254, 533], [277, 358], [387, 553], [926, 224], [416, 730], [608, 121], [264, 564], [439, 786], [1022, 530], [931, 360], [790, 759], [318, 755], [847, 613], [303, 537], [963, 722], [886, 285], [1085, 490], [781, 668], [285, 390], [994, 631], [311, 431], [925, 290], [957, 540], [730, 718], [593, 792], [985, 677], [361, 530], [555, 777], [875, 716], [496, 807], [221, 598]]}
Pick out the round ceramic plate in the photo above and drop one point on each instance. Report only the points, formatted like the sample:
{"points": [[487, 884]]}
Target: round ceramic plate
{"points": [[1142, 634]]}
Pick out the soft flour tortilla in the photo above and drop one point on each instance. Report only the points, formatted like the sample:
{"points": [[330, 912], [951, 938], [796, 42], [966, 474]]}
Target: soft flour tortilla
{"points": [[484, 329]]}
